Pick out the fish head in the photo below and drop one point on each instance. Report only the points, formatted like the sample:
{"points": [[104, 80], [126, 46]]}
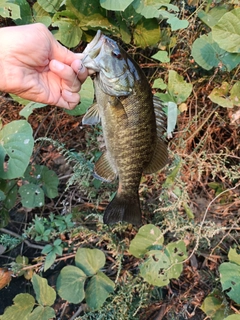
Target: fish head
{"points": [[114, 69]]}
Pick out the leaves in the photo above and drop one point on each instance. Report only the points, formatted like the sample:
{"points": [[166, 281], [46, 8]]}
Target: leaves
{"points": [[227, 31], [31, 195], [90, 260], [224, 97], [23, 305], [9, 10], [115, 5], [147, 236], [98, 290], [28, 109], [146, 33], [16, 145], [178, 88], [230, 279], [208, 54], [164, 264], [70, 284], [42, 313], [5, 277], [45, 295], [213, 306]]}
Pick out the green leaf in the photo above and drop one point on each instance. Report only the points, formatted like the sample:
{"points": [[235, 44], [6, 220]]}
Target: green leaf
{"points": [[172, 113], [98, 289], [16, 144], [115, 5], [68, 32], [89, 260], [87, 95], [42, 176], [208, 54], [23, 305], [213, 306], [153, 268], [42, 313], [70, 284], [177, 253], [159, 84], [45, 294], [163, 265], [40, 15], [49, 260], [177, 24], [9, 10], [230, 279], [25, 12], [28, 109], [31, 195], [19, 99], [232, 317], [161, 56], [233, 256], [172, 175], [147, 236], [9, 188], [227, 31], [235, 94], [212, 17], [2, 196], [146, 33], [178, 88], [50, 6], [220, 96]]}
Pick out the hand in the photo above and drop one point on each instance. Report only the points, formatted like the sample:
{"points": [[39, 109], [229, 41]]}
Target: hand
{"points": [[34, 66]]}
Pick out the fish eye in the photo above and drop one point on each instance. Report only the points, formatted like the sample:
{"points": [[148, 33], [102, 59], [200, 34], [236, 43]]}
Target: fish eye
{"points": [[117, 55]]}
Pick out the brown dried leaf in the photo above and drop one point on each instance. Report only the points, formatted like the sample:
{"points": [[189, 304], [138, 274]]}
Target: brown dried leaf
{"points": [[5, 277]]}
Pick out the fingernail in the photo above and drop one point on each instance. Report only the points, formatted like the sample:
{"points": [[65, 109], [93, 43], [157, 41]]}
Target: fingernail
{"points": [[81, 68]]}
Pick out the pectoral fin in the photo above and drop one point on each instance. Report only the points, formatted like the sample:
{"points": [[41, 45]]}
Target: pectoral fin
{"points": [[159, 159], [104, 170], [92, 116]]}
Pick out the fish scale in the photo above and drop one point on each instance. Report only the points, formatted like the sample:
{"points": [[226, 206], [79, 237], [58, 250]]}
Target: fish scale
{"points": [[132, 128]]}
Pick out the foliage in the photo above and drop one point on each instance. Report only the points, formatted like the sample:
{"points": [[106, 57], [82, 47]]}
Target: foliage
{"points": [[23, 307], [73, 21], [71, 281], [219, 48], [215, 305], [161, 263], [36, 183]]}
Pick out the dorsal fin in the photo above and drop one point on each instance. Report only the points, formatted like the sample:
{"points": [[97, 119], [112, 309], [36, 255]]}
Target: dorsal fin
{"points": [[104, 170], [159, 159], [92, 115]]}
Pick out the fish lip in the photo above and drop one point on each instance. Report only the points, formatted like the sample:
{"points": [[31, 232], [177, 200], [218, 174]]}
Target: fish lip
{"points": [[94, 42]]}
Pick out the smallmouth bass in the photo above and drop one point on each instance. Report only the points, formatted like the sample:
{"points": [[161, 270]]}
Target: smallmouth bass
{"points": [[132, 122]]}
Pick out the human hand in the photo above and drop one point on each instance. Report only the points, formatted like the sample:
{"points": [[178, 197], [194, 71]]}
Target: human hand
{"points": [[35, 66]]}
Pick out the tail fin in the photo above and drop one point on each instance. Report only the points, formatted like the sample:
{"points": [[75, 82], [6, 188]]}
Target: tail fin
{"points": [[123, 208]]}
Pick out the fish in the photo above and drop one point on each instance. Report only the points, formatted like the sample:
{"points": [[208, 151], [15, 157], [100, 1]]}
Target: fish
{"points": [[133, 125]]}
